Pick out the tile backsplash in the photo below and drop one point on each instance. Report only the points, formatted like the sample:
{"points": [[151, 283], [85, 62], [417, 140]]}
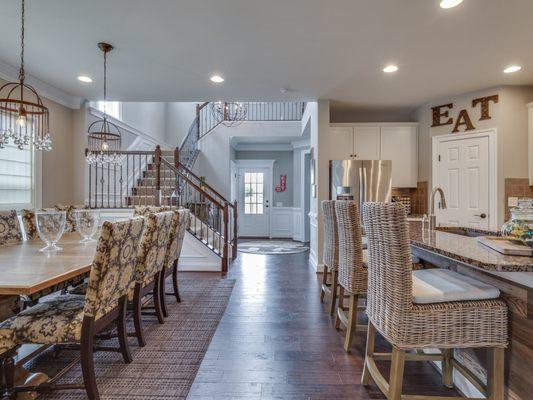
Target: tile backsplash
{"points": [[418, 195], [516, 187]]}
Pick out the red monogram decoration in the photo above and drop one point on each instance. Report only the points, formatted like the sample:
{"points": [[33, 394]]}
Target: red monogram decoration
{"points": [[282, 184]]}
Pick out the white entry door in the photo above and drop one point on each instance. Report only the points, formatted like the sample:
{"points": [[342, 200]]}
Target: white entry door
{"points": [[254, 207], [463, 172]]}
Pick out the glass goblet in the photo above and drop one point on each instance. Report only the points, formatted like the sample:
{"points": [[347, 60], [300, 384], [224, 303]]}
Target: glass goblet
{"points": [[87, 222], [50, 227]]}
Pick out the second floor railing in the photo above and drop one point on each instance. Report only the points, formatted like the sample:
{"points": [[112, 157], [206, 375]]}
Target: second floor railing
{"points": [[207, 119]]}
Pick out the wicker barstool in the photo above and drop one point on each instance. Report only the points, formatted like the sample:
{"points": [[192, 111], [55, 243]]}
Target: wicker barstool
{"points": [[352, 270], [407, 325], [331, 254]]}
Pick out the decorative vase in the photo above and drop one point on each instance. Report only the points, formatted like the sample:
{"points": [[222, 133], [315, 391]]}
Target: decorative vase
{"points": [[520, 226]]}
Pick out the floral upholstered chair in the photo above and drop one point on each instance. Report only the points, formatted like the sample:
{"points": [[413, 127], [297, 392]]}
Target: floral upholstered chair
{"points": [[70, 224], [180, 223], [142, 211], [9, 228], [29, 224], [77, 319], [150, 262]]}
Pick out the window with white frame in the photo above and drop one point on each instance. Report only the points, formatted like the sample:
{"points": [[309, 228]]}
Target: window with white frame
{"points": [[111, 108], [17, 180]]}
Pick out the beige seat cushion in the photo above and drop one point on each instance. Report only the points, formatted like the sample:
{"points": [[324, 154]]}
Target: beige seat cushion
{"points": [[442, 285]]}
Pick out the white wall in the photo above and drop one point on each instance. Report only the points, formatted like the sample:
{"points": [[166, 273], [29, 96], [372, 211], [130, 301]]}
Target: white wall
{"points": [[147, 117], [510, 119], [179, 117], [215, 150]]}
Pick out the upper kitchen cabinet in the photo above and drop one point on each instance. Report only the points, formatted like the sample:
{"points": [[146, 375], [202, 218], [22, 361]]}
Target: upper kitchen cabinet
{"points": [[400, 144], [353, 141], [397, 142]]}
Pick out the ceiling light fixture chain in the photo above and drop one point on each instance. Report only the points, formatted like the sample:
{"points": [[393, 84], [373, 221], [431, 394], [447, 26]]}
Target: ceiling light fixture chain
{"points": [[104, 137], [23, 117]]}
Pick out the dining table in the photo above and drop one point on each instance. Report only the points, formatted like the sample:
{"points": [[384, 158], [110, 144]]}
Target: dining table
{"points": [[29, 274]]}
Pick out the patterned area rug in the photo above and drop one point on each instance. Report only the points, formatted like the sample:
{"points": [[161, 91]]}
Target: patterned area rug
{"points": [[277, 247], [166, 367]]}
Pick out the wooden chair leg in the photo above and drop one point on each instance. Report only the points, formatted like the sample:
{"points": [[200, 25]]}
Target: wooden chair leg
{"points": [[370, 345], [396, 374], [447, 367], [122, 332], [340, 306], [495, 376], [324, 283], [157, 298], [87, 361], [352, 322], [162, 294], [175, 281], [137, 319], [8, 378], [334, 288]]}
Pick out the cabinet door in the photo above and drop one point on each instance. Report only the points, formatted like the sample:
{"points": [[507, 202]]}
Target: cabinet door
{"points": [[400, 144], [366, 142], [340, 142]]}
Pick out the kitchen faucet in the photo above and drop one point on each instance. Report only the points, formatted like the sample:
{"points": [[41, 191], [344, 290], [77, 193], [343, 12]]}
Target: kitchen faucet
{"points": [[432, 216]]}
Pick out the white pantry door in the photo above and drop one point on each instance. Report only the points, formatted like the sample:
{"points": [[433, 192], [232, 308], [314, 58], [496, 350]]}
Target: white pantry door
{"points": [[254, 207], [463, 173]]}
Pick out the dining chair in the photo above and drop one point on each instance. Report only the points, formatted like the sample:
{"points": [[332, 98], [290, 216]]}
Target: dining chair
{"points": [[353, 273], [10, 231], [70, 223], [330, 255], [150, 263], [141, 211], [71, 319], [417, 310], [29, 224], [180, 223]]}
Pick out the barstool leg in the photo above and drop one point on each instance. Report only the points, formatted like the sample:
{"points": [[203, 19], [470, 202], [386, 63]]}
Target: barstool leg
{"points": [[370, 344], [334, 286], [447, 367], [495, 373], [396, 374], [324, 283], [340, 306], [352, 322]]}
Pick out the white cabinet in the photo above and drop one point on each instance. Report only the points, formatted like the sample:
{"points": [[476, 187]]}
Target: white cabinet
{"points": [[400, 145], [366, 142], [397, 142], [356, 142]]}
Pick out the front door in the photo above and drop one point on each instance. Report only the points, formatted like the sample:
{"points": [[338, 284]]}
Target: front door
{"points": [[463, 173], [254, 207]]}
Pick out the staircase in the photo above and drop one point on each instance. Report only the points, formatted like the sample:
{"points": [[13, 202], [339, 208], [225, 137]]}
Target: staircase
{"points": [[157, 177]]}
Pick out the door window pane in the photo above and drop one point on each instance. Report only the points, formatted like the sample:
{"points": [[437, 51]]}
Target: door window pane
{"points": [[253, 193]]}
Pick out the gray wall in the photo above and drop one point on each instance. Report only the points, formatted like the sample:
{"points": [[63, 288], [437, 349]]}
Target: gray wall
{"points": [[179, 117], [282, 166]]}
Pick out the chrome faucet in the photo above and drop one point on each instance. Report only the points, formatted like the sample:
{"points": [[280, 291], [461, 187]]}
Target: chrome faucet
{"points": [[432, 216]]}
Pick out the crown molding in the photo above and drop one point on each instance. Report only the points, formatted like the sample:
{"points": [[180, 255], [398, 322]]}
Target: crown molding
{"points": [[50, 92]]}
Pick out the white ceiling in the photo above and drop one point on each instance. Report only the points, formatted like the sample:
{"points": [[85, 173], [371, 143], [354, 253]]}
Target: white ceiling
{"points": [[166, 50]]}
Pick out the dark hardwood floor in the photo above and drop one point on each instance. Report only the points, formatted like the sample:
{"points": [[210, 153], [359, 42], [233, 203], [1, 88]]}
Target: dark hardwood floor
{"points": [[277, 341]]}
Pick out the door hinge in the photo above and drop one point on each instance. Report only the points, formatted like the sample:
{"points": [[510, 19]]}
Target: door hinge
{"points": [[439, 157]]}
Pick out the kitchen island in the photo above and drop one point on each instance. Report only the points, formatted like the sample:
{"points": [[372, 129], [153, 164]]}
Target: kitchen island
{"points": [[459, 249]]}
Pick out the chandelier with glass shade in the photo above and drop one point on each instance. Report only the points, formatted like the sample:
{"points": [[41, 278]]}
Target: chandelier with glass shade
{"points": [[229, 113], [23, 117], [103, 136]]}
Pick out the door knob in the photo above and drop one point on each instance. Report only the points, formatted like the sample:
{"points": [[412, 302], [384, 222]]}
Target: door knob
{"points": [[482, 215]]}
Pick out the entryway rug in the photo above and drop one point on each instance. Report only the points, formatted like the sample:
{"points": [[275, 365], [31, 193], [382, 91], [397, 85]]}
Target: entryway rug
{"points": [[166, 367], [272, 247]]}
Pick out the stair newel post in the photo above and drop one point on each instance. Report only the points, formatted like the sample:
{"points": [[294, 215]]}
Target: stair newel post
{"points": [[226, 239], [157, 160], [235, 231], [177, 166]]}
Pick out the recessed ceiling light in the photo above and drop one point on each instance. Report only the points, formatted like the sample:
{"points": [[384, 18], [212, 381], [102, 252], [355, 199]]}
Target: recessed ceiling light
{"points": [[450, 3], [390, 68], [217, 79], [85, 78], [512, 68]]}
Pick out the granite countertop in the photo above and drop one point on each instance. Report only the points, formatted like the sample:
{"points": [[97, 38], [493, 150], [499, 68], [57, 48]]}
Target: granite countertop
{"points": [[467, 250]]}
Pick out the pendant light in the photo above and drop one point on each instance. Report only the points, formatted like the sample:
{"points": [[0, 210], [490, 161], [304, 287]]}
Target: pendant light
{"points": [[104, 137], [23, 117]]}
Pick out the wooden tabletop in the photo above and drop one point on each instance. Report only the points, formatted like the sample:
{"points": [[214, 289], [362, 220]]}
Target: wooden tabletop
{"points": [[26, 270]]}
